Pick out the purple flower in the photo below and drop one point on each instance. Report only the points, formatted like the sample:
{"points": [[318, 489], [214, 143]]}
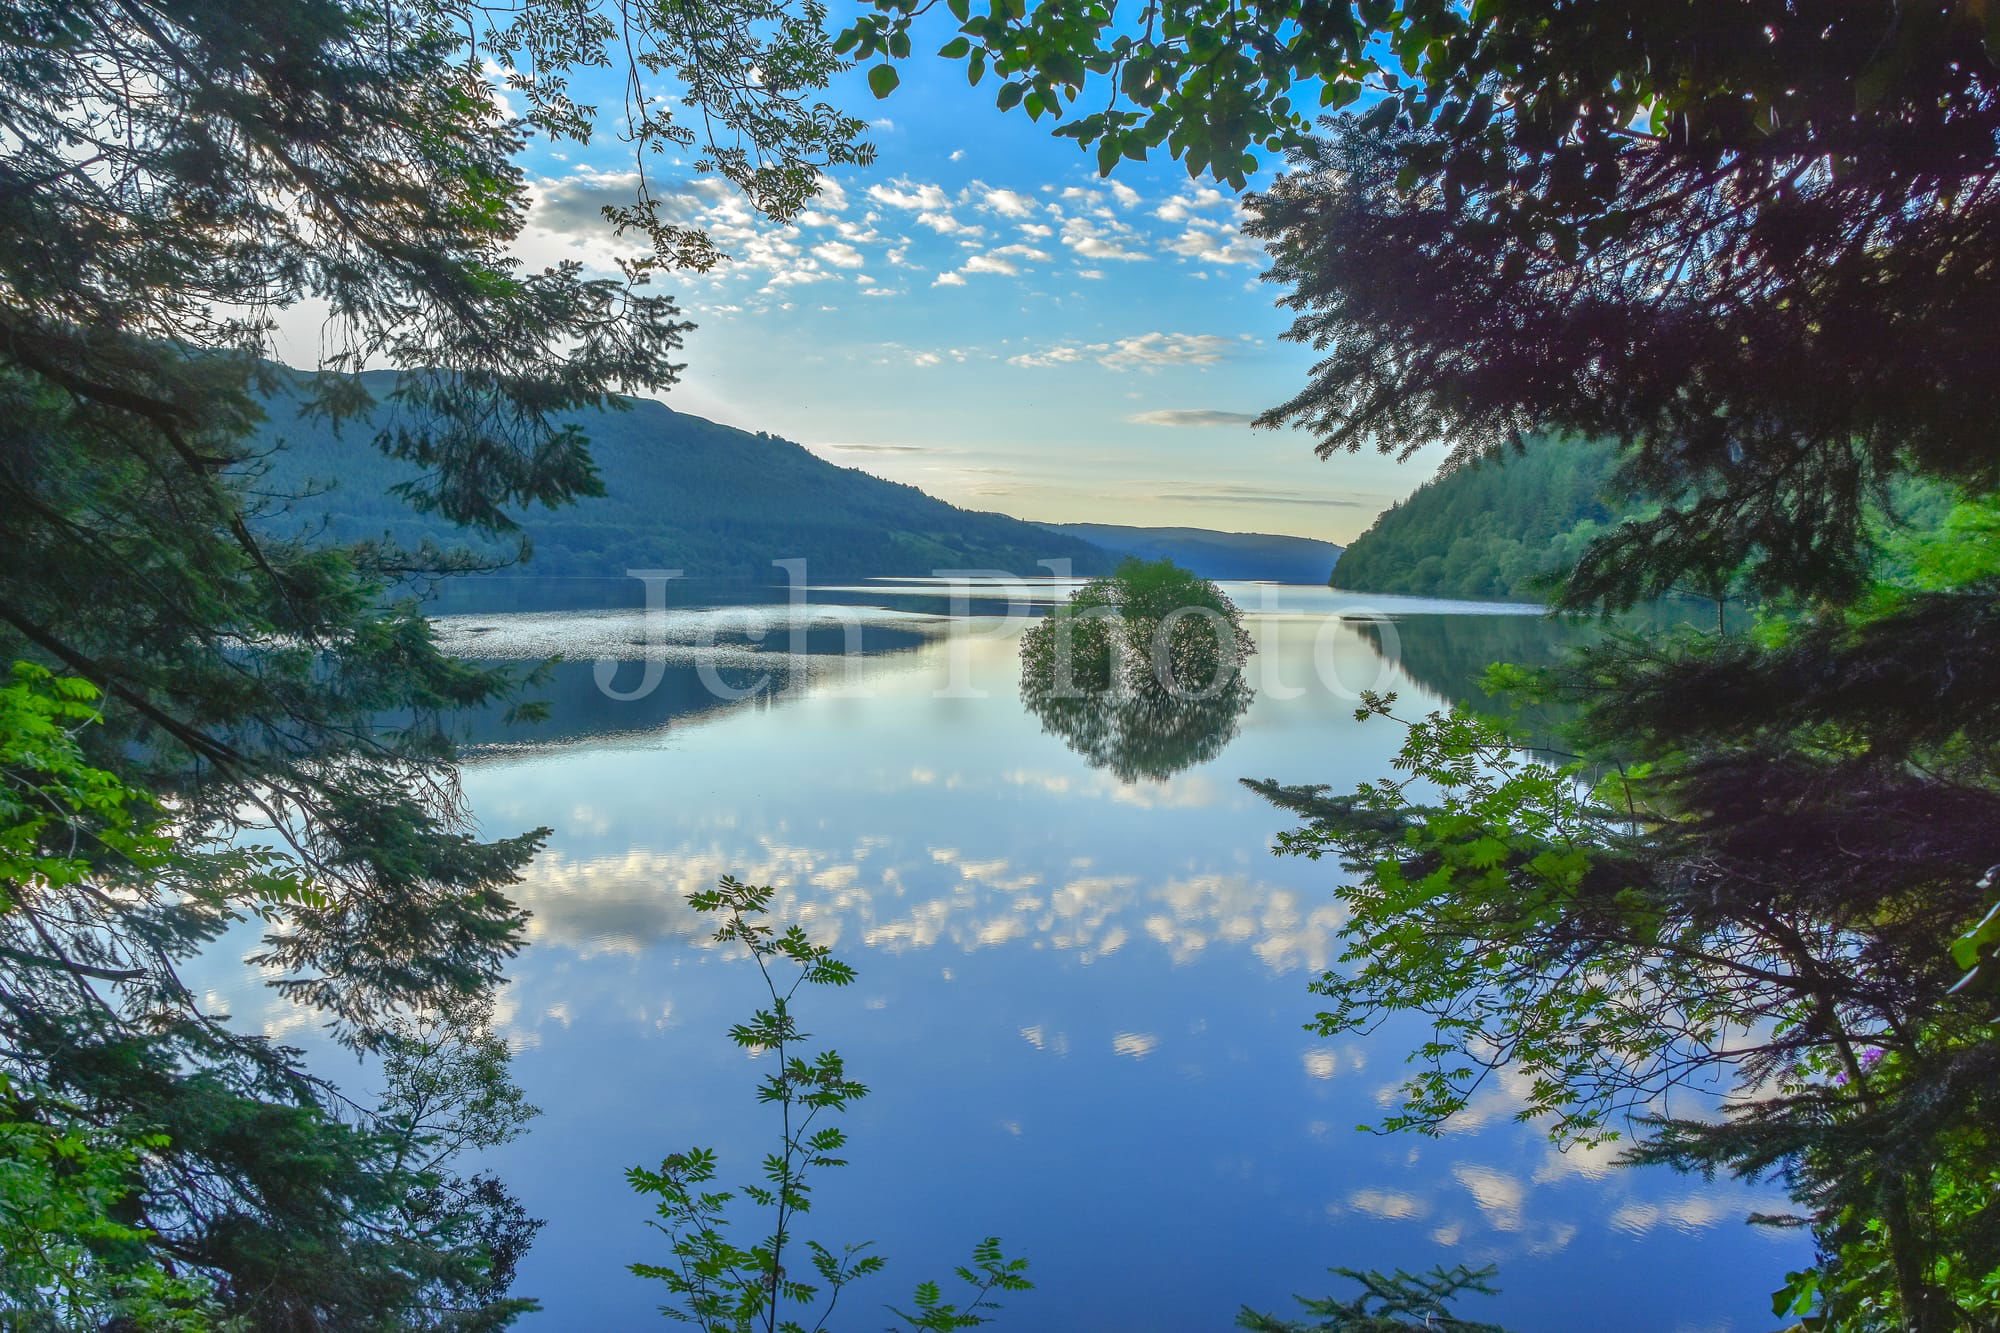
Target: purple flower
{"points": [[1870, 1057]]}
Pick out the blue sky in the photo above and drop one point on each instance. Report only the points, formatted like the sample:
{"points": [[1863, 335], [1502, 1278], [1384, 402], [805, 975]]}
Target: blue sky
{"points": [[979, 315]]}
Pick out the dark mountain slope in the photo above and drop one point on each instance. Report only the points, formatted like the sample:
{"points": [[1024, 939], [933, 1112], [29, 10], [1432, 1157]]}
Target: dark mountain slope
{"points": [[682, 493]]}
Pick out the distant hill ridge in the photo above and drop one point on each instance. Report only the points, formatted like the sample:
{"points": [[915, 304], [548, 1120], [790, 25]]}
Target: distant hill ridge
{"points": [[1213, 554], [683, 493]]}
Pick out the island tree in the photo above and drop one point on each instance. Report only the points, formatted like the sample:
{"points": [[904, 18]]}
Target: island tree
{"points": [[1140, 672]]}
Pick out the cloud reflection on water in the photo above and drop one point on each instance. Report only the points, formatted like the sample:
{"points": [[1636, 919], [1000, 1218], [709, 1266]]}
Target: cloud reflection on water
{"points": [[1107, 976], [634, 901]]}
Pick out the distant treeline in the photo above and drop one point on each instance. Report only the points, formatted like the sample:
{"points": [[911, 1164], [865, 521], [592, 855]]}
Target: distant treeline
{"points": [[1213, 554]]}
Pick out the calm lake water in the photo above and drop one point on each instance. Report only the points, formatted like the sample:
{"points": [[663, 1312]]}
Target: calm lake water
{"points": [[1082, 985]]}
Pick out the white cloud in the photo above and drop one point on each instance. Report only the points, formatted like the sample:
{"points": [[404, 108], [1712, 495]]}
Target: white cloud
{"points": [[1007, 203], [1389, 1205], [1555, 1237], [1036, 230], [840, 254], [1152, 350], [948, 280], [805, 271], [989, 264], [1026, 252], [1687, 1214], [1185, 204], [568, 212], [926, 359], [1214, 493], [575, 204], [1138, 1045], [831, 196], [1227, 246], [909, 195], [1146, 351], [1054, 356], [1100, 240], [1593, 1162], [944, 224], [1043, 1040], [1190, 416], [1498, 1194]]}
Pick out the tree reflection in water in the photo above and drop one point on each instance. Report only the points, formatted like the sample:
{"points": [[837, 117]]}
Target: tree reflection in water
{"points": [[1140, 730]]}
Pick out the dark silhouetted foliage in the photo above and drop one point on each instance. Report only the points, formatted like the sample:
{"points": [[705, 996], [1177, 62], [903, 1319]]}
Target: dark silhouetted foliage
{"points": [[1395, 1302], [170, 173]]}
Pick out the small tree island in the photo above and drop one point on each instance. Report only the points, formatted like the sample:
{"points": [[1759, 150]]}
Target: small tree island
{"points": [[1140, 672]]}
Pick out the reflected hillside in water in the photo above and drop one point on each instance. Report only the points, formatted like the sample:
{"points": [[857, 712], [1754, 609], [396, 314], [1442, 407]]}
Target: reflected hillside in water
{"points": [[1447, 654], [616, 670], [503, 594], [611, 666], [626, 673]]}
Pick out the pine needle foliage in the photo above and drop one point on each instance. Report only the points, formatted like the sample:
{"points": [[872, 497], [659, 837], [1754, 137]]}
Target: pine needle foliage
{"points": [[1396, 1302]]}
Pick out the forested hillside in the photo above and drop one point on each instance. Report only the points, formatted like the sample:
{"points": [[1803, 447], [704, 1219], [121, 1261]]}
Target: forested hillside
{"points": [[1215, 555], [682, 493], [1488, 530], [1496, 528]]}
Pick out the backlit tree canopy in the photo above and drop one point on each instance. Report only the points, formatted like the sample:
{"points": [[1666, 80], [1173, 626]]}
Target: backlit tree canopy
{"points": [[1753, 240], [171, 172], [1753, 249]]}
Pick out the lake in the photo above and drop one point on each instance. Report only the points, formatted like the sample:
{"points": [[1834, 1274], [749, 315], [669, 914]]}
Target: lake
{"points": [[1082, 997]]}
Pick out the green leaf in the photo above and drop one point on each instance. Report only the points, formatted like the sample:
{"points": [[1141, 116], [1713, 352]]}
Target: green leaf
{"points": [[882, 80]]}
